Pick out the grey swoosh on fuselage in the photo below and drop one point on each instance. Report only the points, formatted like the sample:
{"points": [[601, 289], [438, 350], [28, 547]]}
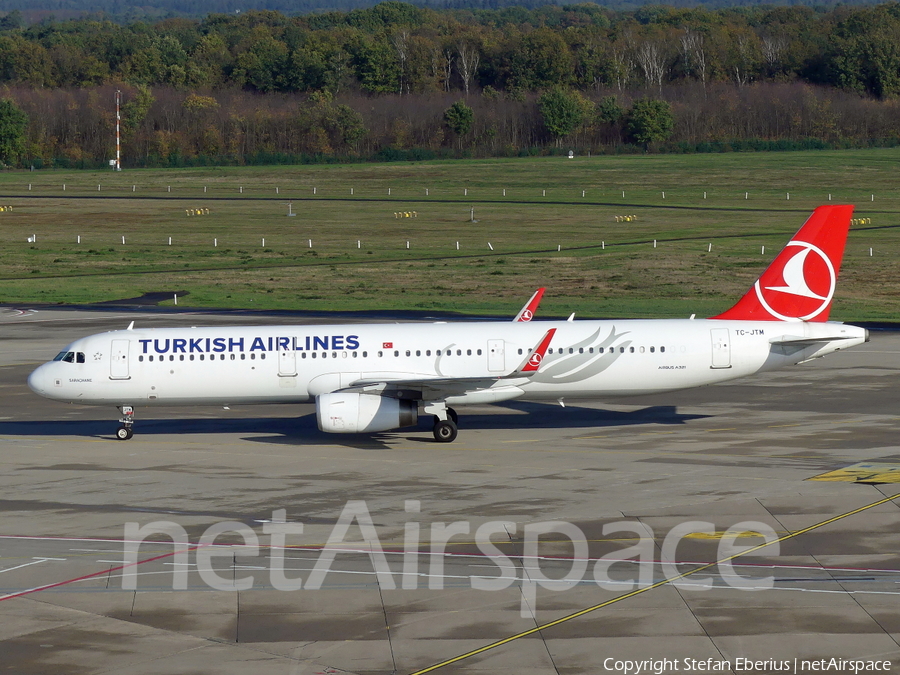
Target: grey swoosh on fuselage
{"points": [[565, 368]]}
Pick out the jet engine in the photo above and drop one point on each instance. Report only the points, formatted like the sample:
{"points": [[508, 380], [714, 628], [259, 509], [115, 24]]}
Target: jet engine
{"points": [[351, 413]]}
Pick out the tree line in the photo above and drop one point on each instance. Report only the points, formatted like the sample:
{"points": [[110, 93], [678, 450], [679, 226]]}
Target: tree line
{"points": [[401, 78]]}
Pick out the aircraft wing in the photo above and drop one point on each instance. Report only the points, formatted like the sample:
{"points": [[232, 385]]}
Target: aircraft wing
{"points": [[440, 387]]}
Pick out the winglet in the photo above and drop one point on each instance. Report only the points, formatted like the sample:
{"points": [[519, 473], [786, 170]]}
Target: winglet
{"points": [[800, 282], [533, 361], [527, 312]]}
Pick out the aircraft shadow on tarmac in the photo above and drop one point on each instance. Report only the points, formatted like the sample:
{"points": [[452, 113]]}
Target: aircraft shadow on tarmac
{"points": [[303, 431]]}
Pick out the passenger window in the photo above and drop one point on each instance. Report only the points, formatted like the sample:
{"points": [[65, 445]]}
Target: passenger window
{"points": [[79, 357], [334, 355], [253, 357], [459, 352], [520, 351], [151, 357], [396, 352], [418, 353], [365, 354], [380, 353], [232, 357], [181, 357], [427, 352], [303, 355], [171, 357], [652, 349], [192, 357], [262, 356], [314, 355], [468, 352], [438, 352], [355, 355], [590, 350], [244, 356], [479, 352], [621, 350], [324, 355], [408, 353], [571, 350], [642, 350], [662, 349], [581, 350], [631, 349], [140, 358], [221, 357]]}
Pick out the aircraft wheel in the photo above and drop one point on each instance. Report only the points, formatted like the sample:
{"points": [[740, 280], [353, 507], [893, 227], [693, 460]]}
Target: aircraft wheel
{"points": [[451, 413], [445, 431], [124, 433]]}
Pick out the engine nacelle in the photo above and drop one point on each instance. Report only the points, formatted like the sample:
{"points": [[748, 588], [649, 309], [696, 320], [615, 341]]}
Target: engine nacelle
{"points": [[350, 413]]}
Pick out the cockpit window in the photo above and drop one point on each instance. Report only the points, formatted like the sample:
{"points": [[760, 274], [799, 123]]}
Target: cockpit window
{"points": [[70, 357], [60, 356], [79, 357]]}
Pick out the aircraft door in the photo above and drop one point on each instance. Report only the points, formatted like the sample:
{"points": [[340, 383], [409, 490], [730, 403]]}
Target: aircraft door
{"points": [[287, 360], [118, 360], [496, 355], [721, 348]]}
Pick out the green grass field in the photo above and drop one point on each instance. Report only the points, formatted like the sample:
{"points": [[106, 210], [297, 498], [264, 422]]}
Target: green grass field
{"points": [[359, 257]]}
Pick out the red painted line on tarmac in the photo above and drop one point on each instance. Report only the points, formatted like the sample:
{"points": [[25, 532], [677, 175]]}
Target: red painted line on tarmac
{"points": [[95, 574]]}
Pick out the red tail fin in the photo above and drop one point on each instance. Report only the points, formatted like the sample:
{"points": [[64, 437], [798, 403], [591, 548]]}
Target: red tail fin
{"points": [[800, 282]]}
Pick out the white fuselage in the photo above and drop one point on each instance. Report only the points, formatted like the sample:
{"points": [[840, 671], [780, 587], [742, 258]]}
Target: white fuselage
{"points": [[294, 364]]}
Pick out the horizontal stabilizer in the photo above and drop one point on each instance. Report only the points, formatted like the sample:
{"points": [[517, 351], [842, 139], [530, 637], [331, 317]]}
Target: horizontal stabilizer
{"points": [[800, 340]]}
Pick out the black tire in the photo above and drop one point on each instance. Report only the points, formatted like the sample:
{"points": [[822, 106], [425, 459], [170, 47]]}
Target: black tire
{"points": [[445, 431], [124, 433], [451, 414]]}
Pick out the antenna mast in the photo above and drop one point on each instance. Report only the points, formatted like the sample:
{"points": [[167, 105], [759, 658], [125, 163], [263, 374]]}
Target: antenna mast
{"points": [[118, 137]]}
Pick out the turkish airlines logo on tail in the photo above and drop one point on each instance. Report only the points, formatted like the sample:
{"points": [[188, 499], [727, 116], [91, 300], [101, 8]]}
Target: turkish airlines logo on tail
{"points": [[527, 315], [535, 360], [802, 288]]}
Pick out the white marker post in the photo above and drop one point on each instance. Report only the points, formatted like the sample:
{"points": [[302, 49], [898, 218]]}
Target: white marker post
{"points": [[709, 250], [170, 241], [457, 246], [358, 243], [310, 243], [123, 240], [490, 246], [176, 299], [762, 250], [263, 242], [215, 243], [654, 243], [79, 239]]}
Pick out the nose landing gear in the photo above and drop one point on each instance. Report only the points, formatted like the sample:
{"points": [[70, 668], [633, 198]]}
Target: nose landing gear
{"points": [[124, 432]]}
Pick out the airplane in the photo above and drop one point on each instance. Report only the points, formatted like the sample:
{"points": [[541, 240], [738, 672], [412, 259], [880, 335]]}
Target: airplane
{"points": [[377, 377]]}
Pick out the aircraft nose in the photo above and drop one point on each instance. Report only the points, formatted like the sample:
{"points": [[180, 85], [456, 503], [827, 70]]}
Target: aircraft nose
{"points": [[38, 381]]}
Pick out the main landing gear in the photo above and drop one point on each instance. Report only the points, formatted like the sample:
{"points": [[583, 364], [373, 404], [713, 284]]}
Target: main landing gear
{"points": [[445, 422], [124, 432]]}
